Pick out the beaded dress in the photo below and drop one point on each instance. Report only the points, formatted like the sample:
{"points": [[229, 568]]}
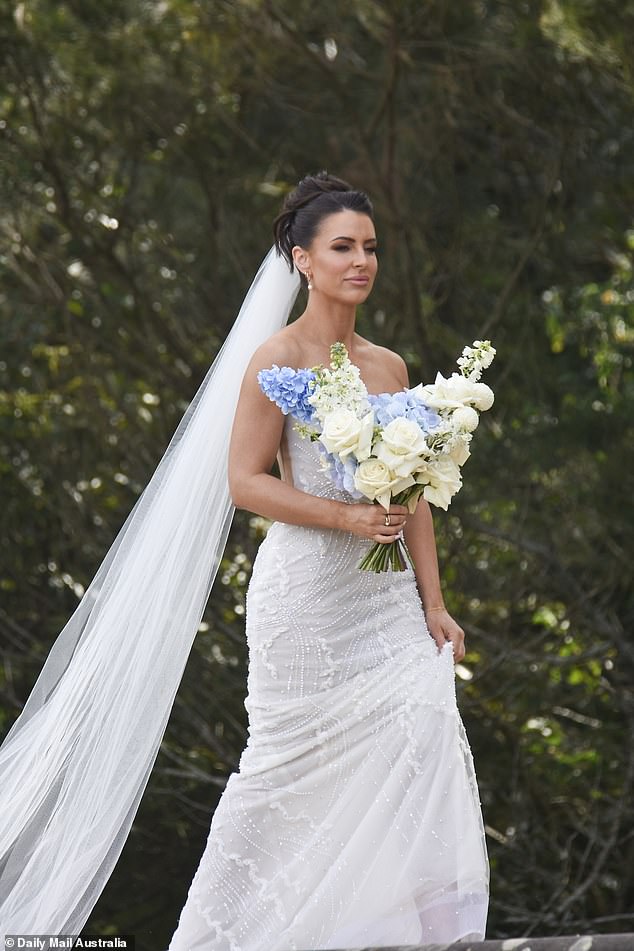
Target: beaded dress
{"points": [[354, 818]]}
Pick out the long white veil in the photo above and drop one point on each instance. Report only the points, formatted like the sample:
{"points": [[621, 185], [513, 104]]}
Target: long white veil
{"points": [[75, 763]]}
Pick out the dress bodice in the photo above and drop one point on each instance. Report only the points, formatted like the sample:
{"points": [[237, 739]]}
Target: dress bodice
{"points": [[302, 465]]}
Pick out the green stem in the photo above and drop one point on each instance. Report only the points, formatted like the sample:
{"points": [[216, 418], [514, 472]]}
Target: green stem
{"points": [[381, 556]]}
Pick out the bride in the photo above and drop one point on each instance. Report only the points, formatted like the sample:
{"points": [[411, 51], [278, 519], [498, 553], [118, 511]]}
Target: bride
{"points": [[354, 817]]}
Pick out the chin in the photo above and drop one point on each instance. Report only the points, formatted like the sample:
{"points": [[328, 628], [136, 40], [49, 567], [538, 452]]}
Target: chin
{"points": [[358, 294]]}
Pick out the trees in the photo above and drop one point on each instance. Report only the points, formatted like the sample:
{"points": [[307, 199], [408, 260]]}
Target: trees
{"points": [[145, 149]]}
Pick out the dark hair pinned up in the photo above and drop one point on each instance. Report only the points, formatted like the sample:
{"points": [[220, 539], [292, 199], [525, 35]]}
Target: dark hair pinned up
{"points": [[315, 197]]}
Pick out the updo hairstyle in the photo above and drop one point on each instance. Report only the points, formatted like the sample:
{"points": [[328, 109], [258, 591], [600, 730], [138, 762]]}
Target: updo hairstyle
{"points": [[315, 197]]}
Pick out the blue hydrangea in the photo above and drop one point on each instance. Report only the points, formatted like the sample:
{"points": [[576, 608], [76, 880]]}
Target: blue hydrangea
{"points": [[289, 389], [403, 405], [341, 472]]}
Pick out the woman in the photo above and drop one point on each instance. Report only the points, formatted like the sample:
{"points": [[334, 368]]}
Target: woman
{"points": [[354, 818]]}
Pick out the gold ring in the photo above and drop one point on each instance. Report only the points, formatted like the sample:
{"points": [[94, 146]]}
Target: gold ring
{"points": [[387, 519]]}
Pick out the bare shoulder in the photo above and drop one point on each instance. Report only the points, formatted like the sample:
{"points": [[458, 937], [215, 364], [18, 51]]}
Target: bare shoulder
{"points": [[281, 349], [394, 360], [388, 363]]}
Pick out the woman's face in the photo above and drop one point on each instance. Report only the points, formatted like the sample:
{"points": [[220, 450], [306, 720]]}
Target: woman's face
{"points": [[341, 259]]}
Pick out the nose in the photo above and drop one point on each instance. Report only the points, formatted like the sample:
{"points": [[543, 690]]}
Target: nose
{"points": [[360, 258]]}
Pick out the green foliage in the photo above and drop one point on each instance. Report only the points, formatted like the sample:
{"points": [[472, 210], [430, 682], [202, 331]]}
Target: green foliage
{"points": [[145, 148]]}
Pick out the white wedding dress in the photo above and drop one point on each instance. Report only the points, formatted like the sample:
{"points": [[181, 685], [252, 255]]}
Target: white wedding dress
{"points": [[354, 819]]}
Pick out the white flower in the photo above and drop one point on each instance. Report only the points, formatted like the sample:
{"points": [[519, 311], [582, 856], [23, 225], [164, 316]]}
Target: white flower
{"points": [[418, 391], [477, 358], [483, 398], [442, 480], [344, 433], [401, 446], [458, 448], [364, 447], [341, 432], [340, 388], [486, 357], [375, 480], [465, 419], [455, 392]]}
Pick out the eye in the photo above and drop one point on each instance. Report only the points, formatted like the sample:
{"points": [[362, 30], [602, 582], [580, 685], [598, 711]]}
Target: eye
{"points": [[372, 250], [341, 247]]}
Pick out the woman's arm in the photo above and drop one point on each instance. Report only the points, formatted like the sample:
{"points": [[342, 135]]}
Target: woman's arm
{"points": [[421, 542], [255, 440]]}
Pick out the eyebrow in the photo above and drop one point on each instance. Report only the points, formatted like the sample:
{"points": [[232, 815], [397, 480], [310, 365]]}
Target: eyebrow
{"points": [[343, 237]]}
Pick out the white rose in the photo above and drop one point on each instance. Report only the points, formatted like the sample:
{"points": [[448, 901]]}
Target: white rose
{"points": [[401, 446], [465, 419], [457, 391], [446, 393], [375, 480], [364, 445], [442, 480], [341, 432]]}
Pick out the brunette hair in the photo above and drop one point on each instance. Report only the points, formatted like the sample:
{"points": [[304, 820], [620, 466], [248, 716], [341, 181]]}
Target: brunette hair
{"points": [[315, 197]]}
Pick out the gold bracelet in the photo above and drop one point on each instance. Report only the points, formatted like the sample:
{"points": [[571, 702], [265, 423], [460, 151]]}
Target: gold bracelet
{"points": [[429, 610]]}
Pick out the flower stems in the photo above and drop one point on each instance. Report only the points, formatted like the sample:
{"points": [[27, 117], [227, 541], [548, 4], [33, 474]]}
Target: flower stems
{"points": [[394, 555]]}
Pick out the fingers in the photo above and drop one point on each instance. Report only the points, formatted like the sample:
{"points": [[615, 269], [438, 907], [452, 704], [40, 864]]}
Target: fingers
{"points": [[392, 520], [388, 526], [388, 533], [450, 633], [456, 639], [377, 524], [386, 539], [440, 641], [457, 647]]}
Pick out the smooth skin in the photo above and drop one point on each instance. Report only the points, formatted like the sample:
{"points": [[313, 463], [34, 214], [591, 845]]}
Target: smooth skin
{"points": [[342, 265]]}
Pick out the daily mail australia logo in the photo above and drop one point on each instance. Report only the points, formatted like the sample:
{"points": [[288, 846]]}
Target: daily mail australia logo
{"points": [[56, 942]]}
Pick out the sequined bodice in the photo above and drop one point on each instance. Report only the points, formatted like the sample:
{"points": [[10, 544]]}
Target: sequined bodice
{"points": [[301, 464]]}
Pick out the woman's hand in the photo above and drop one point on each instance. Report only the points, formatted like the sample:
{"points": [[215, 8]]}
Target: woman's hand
{"points": [[443, 628], [368, 521]]}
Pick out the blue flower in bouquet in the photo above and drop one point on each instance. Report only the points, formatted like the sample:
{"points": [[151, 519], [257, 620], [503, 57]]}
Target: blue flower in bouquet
{"points": [[403, 405], [290, 390], [341, 471]]}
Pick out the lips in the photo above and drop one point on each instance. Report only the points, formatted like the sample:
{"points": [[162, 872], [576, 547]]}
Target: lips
{"points": [[361, 281]]}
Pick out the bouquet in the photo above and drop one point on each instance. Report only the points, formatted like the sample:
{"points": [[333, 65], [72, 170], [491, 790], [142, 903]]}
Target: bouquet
{"points": [[392, 447]]}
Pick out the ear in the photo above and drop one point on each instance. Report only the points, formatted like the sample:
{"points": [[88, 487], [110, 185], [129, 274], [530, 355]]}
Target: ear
{"points": [[301, 258]]}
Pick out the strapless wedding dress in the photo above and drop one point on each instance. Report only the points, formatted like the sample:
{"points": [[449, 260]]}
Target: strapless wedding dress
{"points": [[354, 818]]}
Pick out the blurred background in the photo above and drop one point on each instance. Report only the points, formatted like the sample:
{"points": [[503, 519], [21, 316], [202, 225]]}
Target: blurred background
{"points": [[144, 151]]}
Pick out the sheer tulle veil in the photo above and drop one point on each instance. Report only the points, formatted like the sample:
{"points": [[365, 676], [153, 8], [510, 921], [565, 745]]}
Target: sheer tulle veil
{"points": [[75, 763]]}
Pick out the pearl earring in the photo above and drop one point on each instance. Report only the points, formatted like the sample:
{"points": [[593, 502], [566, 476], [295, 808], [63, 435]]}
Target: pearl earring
{"points": [[310, 280]]}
